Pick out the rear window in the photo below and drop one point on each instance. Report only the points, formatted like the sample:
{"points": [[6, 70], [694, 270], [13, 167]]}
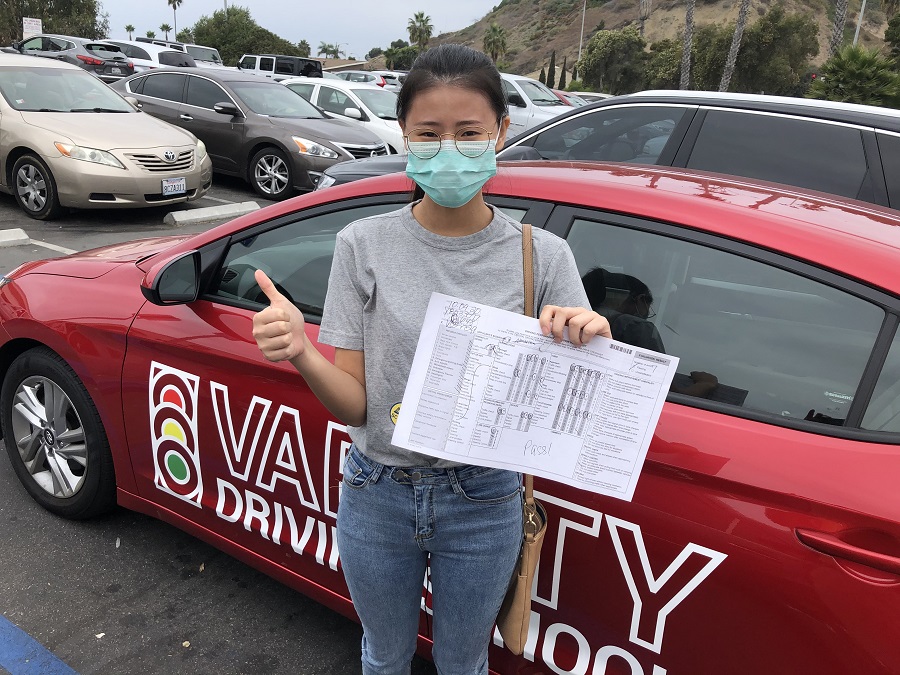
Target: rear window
{"points": [[178, 59], [104, 49]]}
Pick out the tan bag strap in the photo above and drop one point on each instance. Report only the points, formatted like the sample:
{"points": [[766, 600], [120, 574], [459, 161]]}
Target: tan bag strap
{"points": [[531, 524]]}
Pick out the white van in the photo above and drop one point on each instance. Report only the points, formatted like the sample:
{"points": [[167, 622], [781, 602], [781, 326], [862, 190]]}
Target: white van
{"points": [[206, 57], [146, 56], [279, 66], [530, 103]]}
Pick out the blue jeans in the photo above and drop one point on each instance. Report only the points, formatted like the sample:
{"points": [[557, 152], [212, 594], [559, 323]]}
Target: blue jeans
{"points": [[465, 522]]}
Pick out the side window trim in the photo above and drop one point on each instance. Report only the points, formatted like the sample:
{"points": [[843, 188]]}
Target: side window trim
{"points": [[184, 94], [563, 217], [180, 101]]}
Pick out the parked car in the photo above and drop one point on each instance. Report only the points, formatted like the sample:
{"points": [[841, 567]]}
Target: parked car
{"points": [[279, 67], [206, 57], [839, 148], [591, 96], [147, 56], [253, 128], [530, 103], [68, 140], [763, 533], [569, 98], [372, 108], [393, 79], [100, 58], [362, 76]]}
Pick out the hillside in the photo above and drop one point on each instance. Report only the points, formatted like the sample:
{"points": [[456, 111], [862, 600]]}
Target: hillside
{"points": [[534, 28]]}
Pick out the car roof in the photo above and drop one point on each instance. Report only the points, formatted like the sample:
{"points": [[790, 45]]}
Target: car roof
{"points": [[341, 84], [8, 60], [887, 118], [222, 76], [147, 46]]}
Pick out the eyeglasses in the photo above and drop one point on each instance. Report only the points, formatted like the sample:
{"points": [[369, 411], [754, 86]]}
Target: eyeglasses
{"points": [[470, 141]]}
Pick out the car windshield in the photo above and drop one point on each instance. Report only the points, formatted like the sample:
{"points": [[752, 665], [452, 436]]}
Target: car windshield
{"points": [[58, 90], [204, 54], [538, 93], [382, 103], [274, 100]]}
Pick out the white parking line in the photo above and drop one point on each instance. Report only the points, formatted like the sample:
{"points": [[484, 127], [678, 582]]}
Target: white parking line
{"points": [[53, 247], [216, 199]]}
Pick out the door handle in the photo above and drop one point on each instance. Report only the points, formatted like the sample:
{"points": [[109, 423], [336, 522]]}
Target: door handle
{"points": [[830, 544], [187, 118]]}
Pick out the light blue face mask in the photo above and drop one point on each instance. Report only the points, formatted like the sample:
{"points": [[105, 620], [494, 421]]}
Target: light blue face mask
{"points": [[451, 178]]}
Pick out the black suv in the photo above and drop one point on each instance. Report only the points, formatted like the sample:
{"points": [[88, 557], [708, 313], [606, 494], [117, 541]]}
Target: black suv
{"points": [[839, 148]]}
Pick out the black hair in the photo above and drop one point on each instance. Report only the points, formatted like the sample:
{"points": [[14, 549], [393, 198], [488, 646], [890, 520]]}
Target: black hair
{"points": [[457, 66]]}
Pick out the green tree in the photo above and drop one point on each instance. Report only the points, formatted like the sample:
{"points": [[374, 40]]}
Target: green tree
{"points": [[837, 27], [166, 28], [401, 58], [129, 29], [613, 61], [185, 35], [562, 76], [856, 74], [420, 30], [174, 4], [495, 42], [399, 44], [551, 70], [892, 37], [542, 78], [775, 53], [372, 53], [663, 68], [151, 34], [324, 49], [84, 18], [575, 72], [709, 55], [237, 33], [644, 8]]}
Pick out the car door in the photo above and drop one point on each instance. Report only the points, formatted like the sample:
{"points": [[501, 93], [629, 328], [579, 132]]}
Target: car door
{"points": [[161, 95], [764, 533], [267, 66], [519, 114], [337, 102], [223, 134], [304, 89]]}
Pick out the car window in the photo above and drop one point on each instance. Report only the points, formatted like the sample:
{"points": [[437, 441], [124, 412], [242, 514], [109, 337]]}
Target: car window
{"points": [[305, 90], [167, 86], [267, 63], [34, 43], [296, 257], [815, 155], [359, 77], [747, 333], [248, 63], [383, 104], [136, 86], [270, 98], [137, 53], [538, 93], [179, 59], [883, 411], [204, 54], [889, 146], [284, 66], [334, 100], [623, 134], [204, 93], [103, 50]]}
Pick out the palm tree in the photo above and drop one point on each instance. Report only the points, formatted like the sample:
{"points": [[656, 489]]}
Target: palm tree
{"points": [[151, 34], [324, 49], [129, 29], [856, 74], [420, 30], [495, 42], [643, 14], [175, 4], [165, 28], [687, 45], [837, 32], [735, 45]]}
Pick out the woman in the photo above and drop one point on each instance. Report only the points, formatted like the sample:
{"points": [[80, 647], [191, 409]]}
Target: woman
{"points": [[401, 510]]}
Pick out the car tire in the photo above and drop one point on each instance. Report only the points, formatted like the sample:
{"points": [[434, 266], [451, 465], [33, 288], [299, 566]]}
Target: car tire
{"points": [[61, 457], [35, 189], [271, 175]]}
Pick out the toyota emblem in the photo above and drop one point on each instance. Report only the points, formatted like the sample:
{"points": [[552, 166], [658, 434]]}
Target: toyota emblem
{"points": [[169, 155]]}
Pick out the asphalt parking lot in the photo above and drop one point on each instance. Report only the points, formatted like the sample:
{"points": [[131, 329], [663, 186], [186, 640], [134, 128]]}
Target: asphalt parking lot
{"points": [[125, 593]]}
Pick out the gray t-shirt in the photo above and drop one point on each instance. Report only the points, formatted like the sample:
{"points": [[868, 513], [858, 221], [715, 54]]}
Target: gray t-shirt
{"points": [[384, 271]]}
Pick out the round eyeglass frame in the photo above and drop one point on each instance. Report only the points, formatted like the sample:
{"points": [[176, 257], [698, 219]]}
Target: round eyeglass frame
{"points": [[456, 142]]}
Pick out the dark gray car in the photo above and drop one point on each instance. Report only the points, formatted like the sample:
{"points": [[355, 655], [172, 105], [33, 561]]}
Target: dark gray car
{"points": [[252, 127], [99, 58]]}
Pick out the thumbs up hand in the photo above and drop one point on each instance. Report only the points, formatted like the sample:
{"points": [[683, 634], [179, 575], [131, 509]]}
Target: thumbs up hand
{"points": [[279, 328]]}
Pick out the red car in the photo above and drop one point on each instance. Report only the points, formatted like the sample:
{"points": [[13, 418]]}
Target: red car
{"points": [[764, 534]]}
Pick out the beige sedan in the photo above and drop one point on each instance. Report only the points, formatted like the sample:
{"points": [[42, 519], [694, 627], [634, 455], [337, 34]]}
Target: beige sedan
{"points": [[68, 140]]}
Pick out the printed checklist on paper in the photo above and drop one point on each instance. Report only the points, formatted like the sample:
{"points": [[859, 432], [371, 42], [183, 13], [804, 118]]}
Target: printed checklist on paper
{"points": [[487, 388]]}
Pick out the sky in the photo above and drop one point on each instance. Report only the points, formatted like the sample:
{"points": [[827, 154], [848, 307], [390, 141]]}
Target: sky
{"points": [[358, 25]]}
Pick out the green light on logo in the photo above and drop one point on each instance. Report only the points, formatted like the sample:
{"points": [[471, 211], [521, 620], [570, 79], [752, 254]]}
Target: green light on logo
{"points": [[177, 468]]}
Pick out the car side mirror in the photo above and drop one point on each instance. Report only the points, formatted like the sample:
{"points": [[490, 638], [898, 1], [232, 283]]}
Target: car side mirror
{"points": [[176, 283], [134, 102], [353, 113], [516, 100], [228, 108], [519, 153]]}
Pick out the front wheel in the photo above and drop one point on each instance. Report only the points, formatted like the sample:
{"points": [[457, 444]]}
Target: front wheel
{"points": [[271, 175], [35, 188], [54, 436]]}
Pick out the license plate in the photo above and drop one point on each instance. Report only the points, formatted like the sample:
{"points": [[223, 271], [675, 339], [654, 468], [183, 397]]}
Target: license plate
{"points": [[116, 71], [174, 186]]}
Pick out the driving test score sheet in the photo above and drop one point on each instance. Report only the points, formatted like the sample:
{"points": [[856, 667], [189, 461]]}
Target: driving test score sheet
{"points": [[488, 388]]}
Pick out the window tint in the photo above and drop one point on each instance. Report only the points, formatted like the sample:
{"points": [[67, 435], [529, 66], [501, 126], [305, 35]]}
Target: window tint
{"points": [[284, 66], [889, 145], [167, 86], [820, 156], [305, 90], [136, 53], [248, 63], [266, 63], [33, 43], [179, 59], [747, 333], [360, 77], [205, 93], [297, 257], [628, 134], [136, 86], [883, 411], [335, 101], [538, 93]]}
